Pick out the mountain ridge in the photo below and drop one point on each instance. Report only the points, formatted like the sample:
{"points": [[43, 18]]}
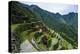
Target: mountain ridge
{"points": [[54, 26]]}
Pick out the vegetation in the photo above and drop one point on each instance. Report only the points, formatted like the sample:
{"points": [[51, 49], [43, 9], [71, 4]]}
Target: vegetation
{"points": [[48, 30]]}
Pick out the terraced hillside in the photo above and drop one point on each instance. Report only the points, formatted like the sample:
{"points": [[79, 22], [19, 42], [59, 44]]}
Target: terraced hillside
{"points": [[27, 25]]}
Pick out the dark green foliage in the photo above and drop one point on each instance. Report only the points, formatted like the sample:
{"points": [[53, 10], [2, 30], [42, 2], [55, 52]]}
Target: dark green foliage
{"points": [[49, 43], [28, 17], [45, 40], [70, 40], [55, 46], [60, 23], [37, 34]]}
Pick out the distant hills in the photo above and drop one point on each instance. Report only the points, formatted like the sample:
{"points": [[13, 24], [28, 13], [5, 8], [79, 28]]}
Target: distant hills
{"points": [[65, 25]]}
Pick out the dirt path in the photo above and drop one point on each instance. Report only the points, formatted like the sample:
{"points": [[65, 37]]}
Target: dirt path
{"points": [[26, 46]]}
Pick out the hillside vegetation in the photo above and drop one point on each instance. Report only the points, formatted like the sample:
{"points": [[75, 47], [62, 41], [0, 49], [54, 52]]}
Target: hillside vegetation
{"points": [[49, 31]]}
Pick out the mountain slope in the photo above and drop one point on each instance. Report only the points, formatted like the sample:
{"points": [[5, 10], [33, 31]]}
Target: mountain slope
{"points": [[66, 24], [43, 29]]}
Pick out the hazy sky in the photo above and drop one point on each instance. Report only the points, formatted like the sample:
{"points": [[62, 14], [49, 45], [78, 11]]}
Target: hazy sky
{"points": [[61, 8]]}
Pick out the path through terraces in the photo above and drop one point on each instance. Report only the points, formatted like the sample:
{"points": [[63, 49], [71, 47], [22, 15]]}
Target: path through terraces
{"points": [[38, 36]]}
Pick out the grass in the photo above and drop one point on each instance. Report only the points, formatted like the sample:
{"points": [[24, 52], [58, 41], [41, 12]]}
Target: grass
{"points": [[24, 35], [13, 26]]}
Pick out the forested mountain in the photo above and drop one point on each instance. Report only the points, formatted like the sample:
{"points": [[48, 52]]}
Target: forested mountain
{"points": [[49, 31], [60, 23]]}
